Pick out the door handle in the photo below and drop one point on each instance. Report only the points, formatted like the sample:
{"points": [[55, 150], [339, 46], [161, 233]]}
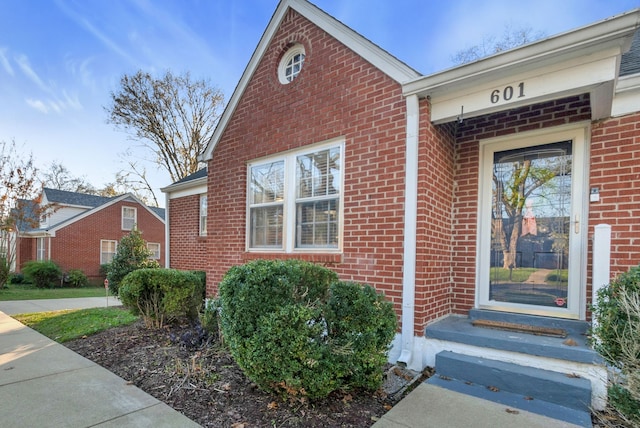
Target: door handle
{"points": [[576, 224]]}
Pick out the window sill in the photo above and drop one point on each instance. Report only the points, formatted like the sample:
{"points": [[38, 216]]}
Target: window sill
{"points": [[320, 258]]}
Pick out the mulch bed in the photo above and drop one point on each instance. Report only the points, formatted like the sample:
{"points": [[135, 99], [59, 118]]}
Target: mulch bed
{"points": [[200, 379]]}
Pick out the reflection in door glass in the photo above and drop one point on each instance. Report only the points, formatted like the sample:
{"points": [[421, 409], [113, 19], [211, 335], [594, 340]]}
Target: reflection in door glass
{"points": [[530, 214]]}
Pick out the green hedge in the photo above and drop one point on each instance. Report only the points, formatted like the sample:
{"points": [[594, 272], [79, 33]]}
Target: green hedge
{"points": [[42, 274], [162, 295], [295, 329]]}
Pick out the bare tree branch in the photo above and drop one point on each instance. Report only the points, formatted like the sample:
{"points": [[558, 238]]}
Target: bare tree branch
{"points": [[172, 116]]}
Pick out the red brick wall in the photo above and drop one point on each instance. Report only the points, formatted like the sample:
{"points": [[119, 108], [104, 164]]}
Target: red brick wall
{"points": [[77, 246], [435, 198], [615, 170], [188, 249], [337, 94], [465, 207]]}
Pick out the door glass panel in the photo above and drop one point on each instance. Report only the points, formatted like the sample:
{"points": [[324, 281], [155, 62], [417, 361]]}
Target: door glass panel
{"points": [[530, 225]]}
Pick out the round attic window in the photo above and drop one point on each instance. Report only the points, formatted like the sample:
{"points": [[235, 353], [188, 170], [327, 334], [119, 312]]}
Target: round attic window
{"points": [[291, 64]]}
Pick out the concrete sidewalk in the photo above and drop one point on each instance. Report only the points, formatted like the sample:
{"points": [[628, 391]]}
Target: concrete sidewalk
{"points": [[430, 406], [30, 306], [44, 384]]}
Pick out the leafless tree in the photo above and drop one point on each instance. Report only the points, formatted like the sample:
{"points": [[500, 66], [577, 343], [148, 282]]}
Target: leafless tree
{"points": [[173, 116], [58, 176], [512, 37]]}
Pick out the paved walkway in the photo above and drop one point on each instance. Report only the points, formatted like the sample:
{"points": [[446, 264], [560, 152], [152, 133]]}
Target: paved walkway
{"points": [[44, 384]]}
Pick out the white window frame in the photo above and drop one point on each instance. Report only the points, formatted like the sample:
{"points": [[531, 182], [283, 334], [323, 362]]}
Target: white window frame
{"points": [[287, 71], [155, 253], [203, 215], [290, 201], [103, 254], [128, 222], [41, 249]]}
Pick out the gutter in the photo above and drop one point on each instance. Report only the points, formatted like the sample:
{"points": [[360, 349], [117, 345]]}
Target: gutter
{"points": [[410, 229]]}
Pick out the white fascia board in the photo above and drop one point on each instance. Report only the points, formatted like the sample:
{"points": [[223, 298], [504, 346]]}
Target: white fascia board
{"points": [[191, 187], [627, 96], [615, 32], [187, 191], [381, 59], [527, 88]]}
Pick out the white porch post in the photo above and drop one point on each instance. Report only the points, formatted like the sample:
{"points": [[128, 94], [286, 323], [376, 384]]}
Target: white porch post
{"points": [[601, 260]]}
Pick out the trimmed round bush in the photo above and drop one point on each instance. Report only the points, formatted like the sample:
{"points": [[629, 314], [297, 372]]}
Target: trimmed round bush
{"points": [[42, 274], [295, 329], [161, 295], [76, 278]]}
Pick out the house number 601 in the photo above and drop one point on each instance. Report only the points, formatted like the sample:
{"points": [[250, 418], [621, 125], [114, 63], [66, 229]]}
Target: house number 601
{"points": [[507, 93]]}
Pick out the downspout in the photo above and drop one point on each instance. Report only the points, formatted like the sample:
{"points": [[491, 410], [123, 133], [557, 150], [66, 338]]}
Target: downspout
{"points": [[410, 230]]}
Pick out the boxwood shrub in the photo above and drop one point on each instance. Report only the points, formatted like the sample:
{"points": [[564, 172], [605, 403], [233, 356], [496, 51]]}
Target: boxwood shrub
{"points": [[43, 273], [617, 337], [295, 329], [162, 295]]}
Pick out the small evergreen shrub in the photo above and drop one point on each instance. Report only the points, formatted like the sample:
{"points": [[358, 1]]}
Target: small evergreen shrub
{"points": [[295, 329], [17, 278], [162, 295], [617, 338], [76, 278], [42, 274], [132, 254]]}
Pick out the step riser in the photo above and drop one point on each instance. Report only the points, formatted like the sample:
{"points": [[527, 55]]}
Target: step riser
{"points": [[538, 384]]}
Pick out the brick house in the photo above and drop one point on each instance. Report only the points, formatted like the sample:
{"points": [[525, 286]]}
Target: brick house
{"points": [[333, 151], [82, 231]]}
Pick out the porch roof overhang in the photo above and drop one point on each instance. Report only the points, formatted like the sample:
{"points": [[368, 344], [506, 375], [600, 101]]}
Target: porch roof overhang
{"points": [[586, 60]]}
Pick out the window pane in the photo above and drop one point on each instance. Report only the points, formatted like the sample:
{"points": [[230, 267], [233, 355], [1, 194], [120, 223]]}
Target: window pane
{"points": [[317, 224], [319, 173], [203, 215], [266, 226], [267, 183]]}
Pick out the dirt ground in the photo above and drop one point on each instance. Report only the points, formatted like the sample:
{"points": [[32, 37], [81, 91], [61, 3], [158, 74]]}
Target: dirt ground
{"points": [[200, 379]]}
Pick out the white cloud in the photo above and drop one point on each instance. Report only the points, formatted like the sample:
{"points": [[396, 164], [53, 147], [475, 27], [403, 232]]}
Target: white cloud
{"points": [[5, 62], [37, 105], [25, 66]]}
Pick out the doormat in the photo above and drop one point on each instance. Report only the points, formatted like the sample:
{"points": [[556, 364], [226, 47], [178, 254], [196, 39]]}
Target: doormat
{"points": [[521, 328]]}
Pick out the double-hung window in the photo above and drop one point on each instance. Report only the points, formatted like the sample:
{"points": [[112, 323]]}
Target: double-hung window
{"points": [[128, 218], [294, 200], [108, 249], [154, 249]]}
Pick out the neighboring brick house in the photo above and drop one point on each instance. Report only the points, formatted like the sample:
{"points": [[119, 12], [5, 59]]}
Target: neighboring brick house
{"points": [[82, 231], [333, 151]]}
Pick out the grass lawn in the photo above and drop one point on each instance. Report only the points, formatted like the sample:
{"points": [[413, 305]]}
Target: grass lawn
{"points": [[29, 292], [63, 326]]}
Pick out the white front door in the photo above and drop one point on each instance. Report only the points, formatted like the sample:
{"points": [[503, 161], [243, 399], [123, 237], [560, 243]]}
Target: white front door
{"points": [[532, 223]]}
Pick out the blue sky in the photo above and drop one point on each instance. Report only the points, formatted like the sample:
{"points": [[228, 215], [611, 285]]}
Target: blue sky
{"points": [[61, 59]]}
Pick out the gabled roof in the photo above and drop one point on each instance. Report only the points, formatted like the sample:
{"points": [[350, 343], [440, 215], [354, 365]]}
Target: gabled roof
{"points": [[93, 204], [378, 57], [64, 197], [197, 179], [630, 62]]}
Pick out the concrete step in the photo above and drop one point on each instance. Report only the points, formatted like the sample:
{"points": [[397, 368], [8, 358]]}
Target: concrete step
{"points": [[574, 347], [539, 391]]}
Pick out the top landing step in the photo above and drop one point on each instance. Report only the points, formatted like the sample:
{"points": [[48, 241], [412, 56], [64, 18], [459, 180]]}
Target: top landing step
{"points": [[573, 347]]}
